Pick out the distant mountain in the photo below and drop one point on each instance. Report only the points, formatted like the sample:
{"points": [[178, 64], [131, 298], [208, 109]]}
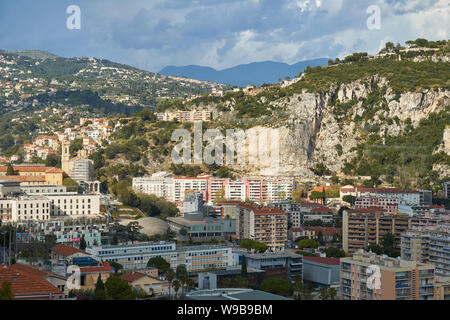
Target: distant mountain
{"points": [[255, 73], [33, 54]]}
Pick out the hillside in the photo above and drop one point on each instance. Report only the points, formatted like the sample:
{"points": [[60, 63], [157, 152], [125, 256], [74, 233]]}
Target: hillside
{"points": [[33, 54], [255, 73], [22, 77], [386, 116]]}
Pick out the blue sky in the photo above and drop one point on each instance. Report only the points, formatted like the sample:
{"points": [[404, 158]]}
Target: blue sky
{"points": [[152, 34]]}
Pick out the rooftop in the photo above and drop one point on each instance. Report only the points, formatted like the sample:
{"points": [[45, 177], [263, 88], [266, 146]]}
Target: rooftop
{"points": [[25, 282], [234, 294], [323, 260], [66, 250]]}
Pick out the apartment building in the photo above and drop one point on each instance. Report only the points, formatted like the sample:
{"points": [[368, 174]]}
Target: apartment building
{"points": [[197, 224], [46, 207], [135, 256], [367, 276], [408, 197], [428, 247], [263, 224], [277, 265], [261, 190], [298, 211], [389, 205], [323, 214], [159, 184], [182, 185], [446, 190], [362, 227]]}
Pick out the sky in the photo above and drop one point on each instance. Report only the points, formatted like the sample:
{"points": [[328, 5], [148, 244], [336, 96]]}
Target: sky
{"points": [[151, 34]]}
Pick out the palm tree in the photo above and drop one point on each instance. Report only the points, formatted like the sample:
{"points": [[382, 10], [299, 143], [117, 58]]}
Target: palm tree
{"points": [[190, 285], [183, 276], [170, 275], [332, 292], [323, 293], [176, 287]]}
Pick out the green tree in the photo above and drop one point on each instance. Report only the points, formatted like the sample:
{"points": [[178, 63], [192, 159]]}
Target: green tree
{"points": [[375, 248], [133, 229], [159, 263], [251, 244], [10, 170], [332, 252], [388, 245], [5, 291], [332, 293], [244, 272], [349, 199], [100, 290], [83, 244], [308, 243], [116, 266], [277, 286], [176, 287], [170, 275], [323, 293], [118, 289], [182, 275]]}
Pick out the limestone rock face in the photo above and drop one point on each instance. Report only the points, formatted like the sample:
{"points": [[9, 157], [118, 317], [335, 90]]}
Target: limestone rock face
{"points": [[309, 131]]}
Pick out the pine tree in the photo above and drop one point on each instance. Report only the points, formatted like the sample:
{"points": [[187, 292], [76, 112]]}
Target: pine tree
{"points": [[5, 291], [83, 244], [100, 291], [10, 170], [244, 267]]}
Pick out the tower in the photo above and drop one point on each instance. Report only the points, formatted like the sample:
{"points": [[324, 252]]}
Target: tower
{"points": [[65, 157]]}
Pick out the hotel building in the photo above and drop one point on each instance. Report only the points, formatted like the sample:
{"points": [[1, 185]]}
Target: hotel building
{"points": [[362, 227]]}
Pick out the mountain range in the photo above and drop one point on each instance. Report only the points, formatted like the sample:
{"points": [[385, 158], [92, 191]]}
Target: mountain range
{"points": [[255, 73]]}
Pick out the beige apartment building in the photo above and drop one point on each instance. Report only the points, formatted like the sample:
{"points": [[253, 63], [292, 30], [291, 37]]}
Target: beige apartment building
{"points": [[263, 224], [362, 227], [185, 116], [27, 175], [367, 276]]}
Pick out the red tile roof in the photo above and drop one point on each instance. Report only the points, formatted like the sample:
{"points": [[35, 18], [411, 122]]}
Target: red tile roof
{"points": [[32, 169], [106, 267], [132, 276], [37, 272], [257, 209], [329, 261], [24, 283], [66, 250], [23, 178], [326, 231]]}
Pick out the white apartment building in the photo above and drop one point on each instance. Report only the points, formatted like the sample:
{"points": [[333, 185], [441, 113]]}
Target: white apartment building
{"points": [[159, 184], [261, 190], [43, 208], [235, 190], [135, 256], [182, 185], [74, 205]]}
